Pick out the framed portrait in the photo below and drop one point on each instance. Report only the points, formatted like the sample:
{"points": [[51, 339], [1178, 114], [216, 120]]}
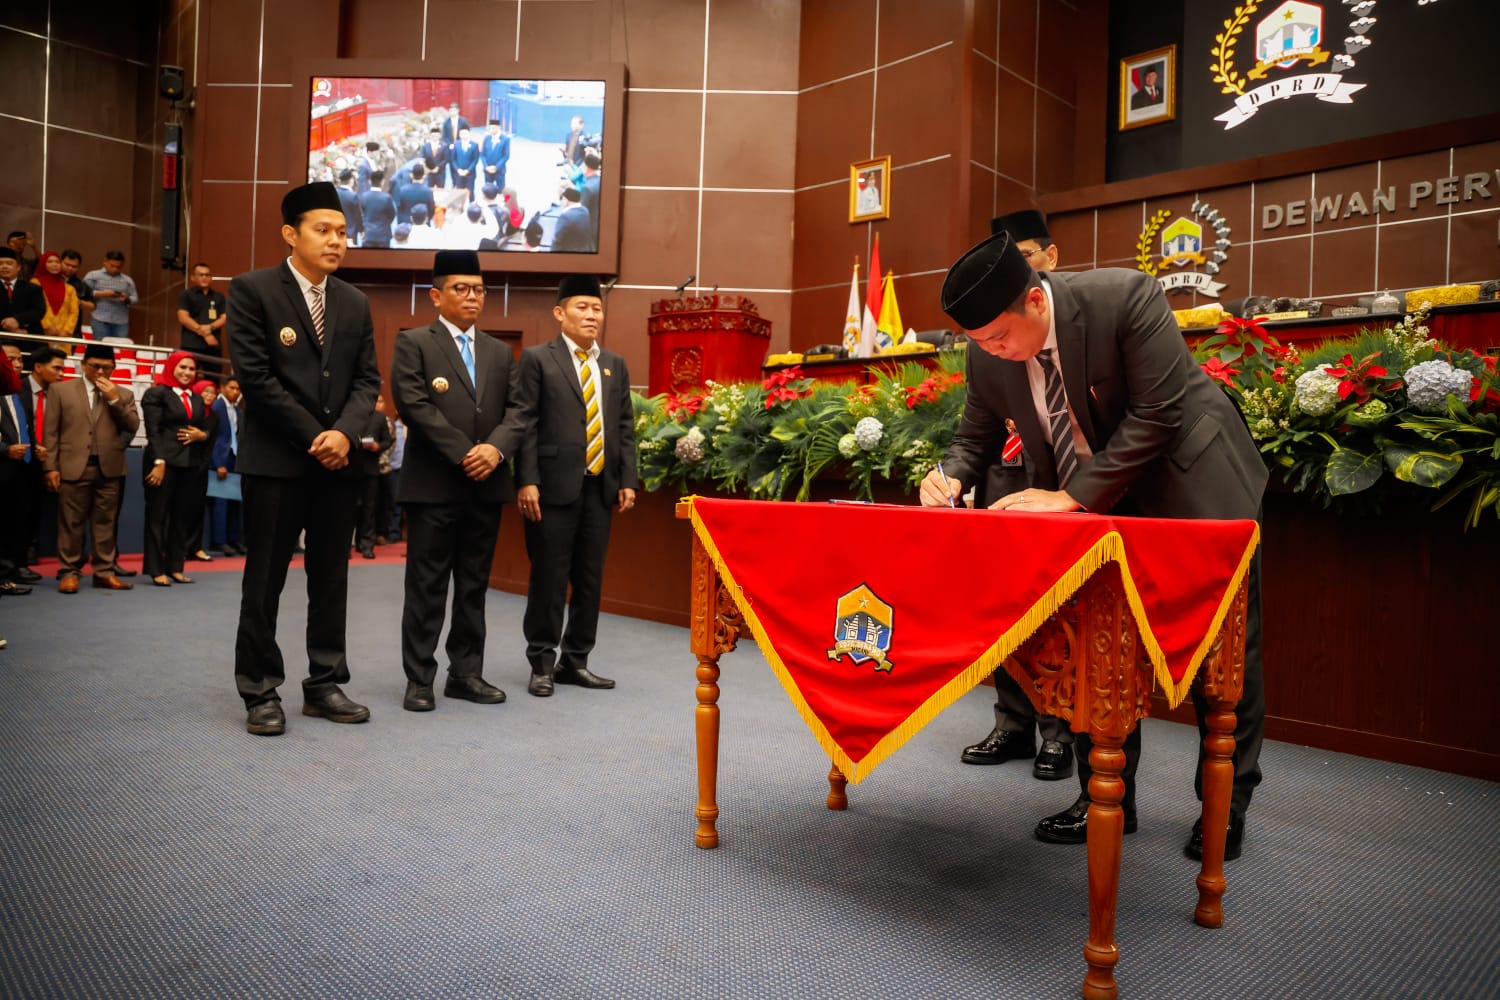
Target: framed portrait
{"points": [[870, 190], [1148, 88]]}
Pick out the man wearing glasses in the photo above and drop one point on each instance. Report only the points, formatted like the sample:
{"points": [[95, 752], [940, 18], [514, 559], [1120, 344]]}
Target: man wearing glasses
{"points": [[455, 389]]}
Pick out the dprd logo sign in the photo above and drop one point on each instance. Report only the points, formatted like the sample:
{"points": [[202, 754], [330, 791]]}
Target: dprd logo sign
{"points": [[863, 628], [1182, 250]]}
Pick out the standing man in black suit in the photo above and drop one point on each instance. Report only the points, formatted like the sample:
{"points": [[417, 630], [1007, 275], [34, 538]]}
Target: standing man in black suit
{"points": [[455, 390], [354, 216], [576, 466], [1114, 415], [377, 213], [22, 304], [303, 347], [434, 153]]}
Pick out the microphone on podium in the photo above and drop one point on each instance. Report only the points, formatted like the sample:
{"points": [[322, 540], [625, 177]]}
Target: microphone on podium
{"points": [[685, 282]]}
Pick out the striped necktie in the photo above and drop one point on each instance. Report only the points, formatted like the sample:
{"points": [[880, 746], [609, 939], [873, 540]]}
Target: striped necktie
{"points": [[594, 456], [1057, 415], [317, 312]]}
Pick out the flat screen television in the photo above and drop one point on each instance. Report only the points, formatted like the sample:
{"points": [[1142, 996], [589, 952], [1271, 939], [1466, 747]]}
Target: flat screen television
{"points": [[521, 164]]}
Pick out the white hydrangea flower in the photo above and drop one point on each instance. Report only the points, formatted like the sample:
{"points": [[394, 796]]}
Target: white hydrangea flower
{"points": [[848, 445], [1317, 392], [689, 447], [868, 433], [1429, 384]]}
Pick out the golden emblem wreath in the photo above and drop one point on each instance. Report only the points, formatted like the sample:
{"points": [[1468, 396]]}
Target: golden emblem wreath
{"points": [[1223, 64], [1147, 242]]}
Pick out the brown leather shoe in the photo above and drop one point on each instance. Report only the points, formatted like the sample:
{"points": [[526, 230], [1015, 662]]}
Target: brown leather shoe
{"points": [[68, 585], [111, 583]]}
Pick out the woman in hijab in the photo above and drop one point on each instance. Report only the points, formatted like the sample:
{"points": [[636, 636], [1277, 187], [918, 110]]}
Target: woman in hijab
{"points": [[62, 302], [176, 462], [193, 543]]}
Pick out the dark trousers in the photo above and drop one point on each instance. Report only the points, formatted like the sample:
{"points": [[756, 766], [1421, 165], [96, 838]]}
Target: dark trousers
{"points": [[225, 515], [193, 539], [566, 546], [369, 501], [170, 509], [1014, 712], [90, 502], [446, 542], [1249, 721], [391, 523], [276, 510], [22, 491]]}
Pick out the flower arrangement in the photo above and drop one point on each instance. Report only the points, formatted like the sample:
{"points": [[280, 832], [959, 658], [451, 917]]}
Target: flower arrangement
{"points": [[1336, 420], [775, 438], [1389, 407]]}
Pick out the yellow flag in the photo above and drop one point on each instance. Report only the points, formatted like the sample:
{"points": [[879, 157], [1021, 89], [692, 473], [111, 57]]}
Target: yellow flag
{"points": [[890, 327]]}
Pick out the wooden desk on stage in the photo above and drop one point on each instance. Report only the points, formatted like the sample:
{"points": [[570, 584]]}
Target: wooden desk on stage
{"points": [[1088, 663]]}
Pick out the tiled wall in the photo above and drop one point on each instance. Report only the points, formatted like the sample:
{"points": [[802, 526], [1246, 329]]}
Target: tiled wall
{"points": [[706, 178], [1335, 259], [80, 124], [974, 102]]}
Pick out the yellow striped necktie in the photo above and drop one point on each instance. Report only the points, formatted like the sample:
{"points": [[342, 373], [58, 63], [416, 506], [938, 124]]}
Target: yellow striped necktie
{"points": [[594, 457]]}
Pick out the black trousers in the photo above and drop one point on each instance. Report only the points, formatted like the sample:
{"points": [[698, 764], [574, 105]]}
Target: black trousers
{"points": [[1249, 721], [276, 510], [22, 491], [1014, 712], [193, 540], [170, 509], [566, 547], [369, 504], [446, 542]]}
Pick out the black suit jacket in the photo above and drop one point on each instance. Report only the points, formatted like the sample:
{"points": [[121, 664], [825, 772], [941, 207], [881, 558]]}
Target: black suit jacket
{"points": [[552, 450], [164, 416], [295, 391], [441, 426], [1161, 431], [26, 303]]}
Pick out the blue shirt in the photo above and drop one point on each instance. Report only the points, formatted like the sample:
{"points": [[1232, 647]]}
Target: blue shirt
{"points": [[111, 310]]}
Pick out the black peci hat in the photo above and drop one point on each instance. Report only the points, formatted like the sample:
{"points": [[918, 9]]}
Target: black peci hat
{"points": [[578, 284], [985, 281], [448, 262], [99, 351], [1027, 224], [310, 198]]}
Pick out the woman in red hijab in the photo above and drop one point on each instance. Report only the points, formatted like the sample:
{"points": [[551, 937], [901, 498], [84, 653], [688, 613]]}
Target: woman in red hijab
{"points": [[62, 302], [176, 466]]}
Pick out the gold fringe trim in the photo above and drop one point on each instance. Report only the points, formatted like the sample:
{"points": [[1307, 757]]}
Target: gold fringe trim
{"points": [[1110, 547]]}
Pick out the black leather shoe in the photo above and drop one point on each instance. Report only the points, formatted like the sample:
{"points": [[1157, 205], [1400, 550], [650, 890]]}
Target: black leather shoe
{"points": [[12, 589], [475, 689], [266, 719], [24, 575], [540, 685], [582, 677], [418, 698], [1054, 761], [1071, 826], [1234, 839], [368, 551], [335, 706], [1000, 746], [121, 571]]}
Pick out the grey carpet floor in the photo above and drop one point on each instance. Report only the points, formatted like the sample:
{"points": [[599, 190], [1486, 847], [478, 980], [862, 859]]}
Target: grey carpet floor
{"points": [[149, 847]]}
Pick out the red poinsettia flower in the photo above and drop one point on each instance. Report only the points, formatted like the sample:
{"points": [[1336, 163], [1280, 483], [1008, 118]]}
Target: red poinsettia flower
{"points": [[1216, 369], [1280, 373], [680, 408]]}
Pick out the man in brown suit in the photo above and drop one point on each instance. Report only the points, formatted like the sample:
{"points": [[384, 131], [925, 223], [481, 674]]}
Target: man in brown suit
{"points": [[89, 422]]}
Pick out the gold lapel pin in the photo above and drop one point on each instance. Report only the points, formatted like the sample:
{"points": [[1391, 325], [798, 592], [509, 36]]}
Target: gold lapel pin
{"points": [[440, 385], [606, 371], [288, 336]]}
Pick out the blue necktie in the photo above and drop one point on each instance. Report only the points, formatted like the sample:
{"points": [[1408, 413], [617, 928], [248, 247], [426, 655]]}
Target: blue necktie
{"points": [[467, 355], [23, 428]]}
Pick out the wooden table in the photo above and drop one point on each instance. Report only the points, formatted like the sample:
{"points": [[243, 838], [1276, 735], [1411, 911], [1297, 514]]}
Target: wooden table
{"points": [[1085, 665]]}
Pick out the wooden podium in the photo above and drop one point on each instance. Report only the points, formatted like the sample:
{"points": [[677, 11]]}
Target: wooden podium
{"points": [[703, 337]]}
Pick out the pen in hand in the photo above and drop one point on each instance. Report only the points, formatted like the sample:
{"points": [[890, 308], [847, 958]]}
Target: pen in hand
{"points": [[947, 487]]}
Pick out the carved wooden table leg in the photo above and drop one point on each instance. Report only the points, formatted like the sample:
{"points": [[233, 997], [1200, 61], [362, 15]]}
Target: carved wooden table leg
{"points": [[1106, 830], [1223, 681], [706, 720], [837, 799]]}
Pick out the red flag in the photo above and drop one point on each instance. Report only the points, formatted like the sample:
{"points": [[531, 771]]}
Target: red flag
{"points": [[869, 328]]}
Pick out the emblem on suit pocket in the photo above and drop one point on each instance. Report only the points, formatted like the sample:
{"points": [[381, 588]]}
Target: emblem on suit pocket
{"points": [[288, 336], [607, 372], [440, 385]]}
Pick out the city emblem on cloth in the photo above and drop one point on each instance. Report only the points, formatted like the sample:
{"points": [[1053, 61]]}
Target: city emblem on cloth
{"points": [[440, 385], [1181, 247], [863, 629], [288, 336], [1288, 56]]}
